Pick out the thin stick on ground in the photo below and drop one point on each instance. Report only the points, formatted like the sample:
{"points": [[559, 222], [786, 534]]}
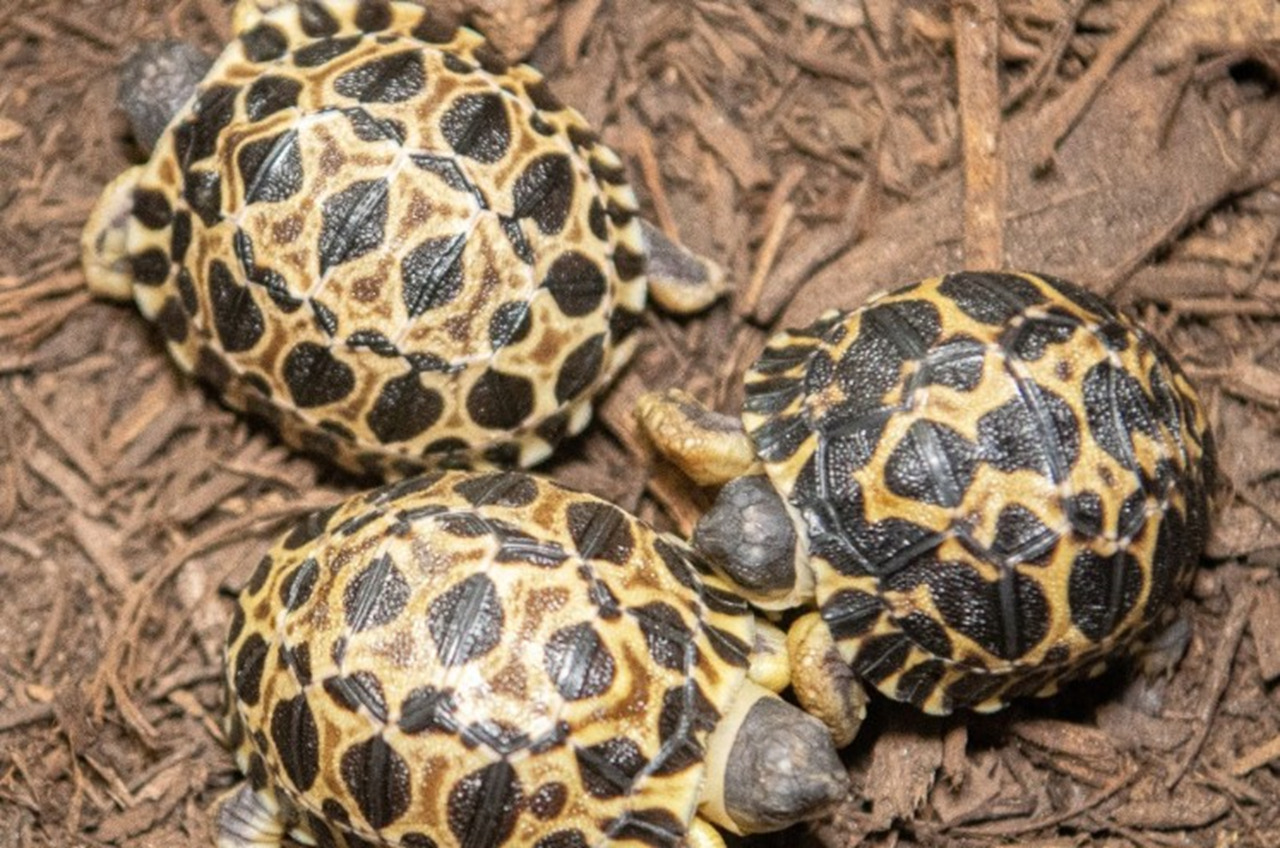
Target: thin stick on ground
{"points": [[977, 36], [1062, 116], [1220, 675]]}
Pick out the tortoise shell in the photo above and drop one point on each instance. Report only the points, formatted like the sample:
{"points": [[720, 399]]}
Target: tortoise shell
{"points": [[481, 659], [401, 251], [1003, 482]]}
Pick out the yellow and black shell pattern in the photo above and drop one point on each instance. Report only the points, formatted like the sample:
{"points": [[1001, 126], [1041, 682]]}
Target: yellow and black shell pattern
{"points": [[1003, 482], [481, 659], [399, 250]]}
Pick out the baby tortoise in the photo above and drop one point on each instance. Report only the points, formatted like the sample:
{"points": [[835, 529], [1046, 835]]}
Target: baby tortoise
{"points": [[987, 484], [482, 659], [368, 229]]}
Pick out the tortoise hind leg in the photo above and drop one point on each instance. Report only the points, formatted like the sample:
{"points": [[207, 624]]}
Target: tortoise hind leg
{"points": [[103, 251], [679, 280], [244, 819]]}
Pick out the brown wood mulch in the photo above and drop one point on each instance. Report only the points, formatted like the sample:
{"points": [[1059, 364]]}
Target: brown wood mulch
{"points": [[821, 150]]}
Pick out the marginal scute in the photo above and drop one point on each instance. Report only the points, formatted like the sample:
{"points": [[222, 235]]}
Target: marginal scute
{"points": [[500, 401], [1102, 591], [476, 126], [236, 316], [315, 19], [577, 284], [378, 779], [373, 15], [179, 241], [172, 319], [152, 208], [544, 191], [297, 741], [247, 671], [323, 51], [202, 191], [264, 43], [270, 94], [393, 78], [213, 110], [296, 588], [315, 377], [404, 409], [502, 489], [580, 369]]}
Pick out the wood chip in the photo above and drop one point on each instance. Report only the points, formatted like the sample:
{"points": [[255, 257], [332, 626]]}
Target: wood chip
{"points": [[1254, 382], [102, 545], [11, 130], [734, 147], [150, 440], [73, 488], [575, 23], [904, 766], [22, 544], [1257, 757], [1219, 675], [1086, 219], [71, 444], [1133, 730], [205, 497], [1264, 627], [25, 714], [1191, 810]]}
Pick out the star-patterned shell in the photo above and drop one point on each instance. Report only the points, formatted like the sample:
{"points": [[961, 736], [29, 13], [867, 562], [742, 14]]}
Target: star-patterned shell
{"points": [[1002, 479], [467, 659], [371, 231]]}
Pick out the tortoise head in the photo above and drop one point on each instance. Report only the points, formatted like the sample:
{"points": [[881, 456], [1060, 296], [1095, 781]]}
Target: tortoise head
{"points": [[770, 765], [155, 82], [752, 537]]}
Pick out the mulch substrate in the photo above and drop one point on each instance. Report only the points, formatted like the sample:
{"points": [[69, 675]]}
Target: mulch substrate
{"points": [[820, 150]]}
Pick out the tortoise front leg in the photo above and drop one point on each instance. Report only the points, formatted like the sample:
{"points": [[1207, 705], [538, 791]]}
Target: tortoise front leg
{"points": [[710, 448], [825, 685], [680, 281]]}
